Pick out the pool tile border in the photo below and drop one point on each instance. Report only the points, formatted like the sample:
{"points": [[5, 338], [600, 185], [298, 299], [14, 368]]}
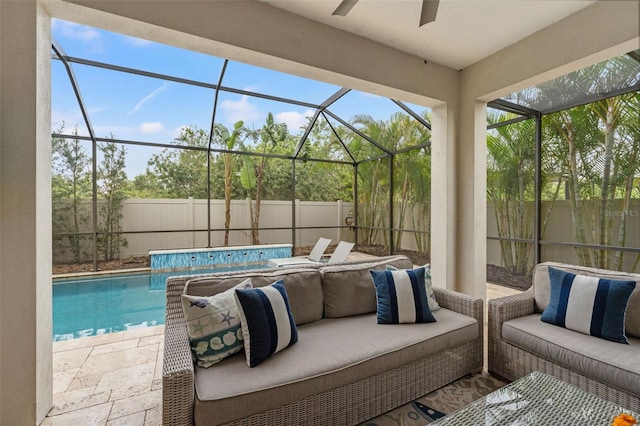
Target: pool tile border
{"points": [[189, 258]]}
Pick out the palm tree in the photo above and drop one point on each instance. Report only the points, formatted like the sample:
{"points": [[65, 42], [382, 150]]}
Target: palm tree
{"points": [[398, 133], [420, 175], [410, 169], [586, 140], [574, 135], [373, 177], [510, 177], [266, 139], [228, 141], [610, 112], [627, 161]]}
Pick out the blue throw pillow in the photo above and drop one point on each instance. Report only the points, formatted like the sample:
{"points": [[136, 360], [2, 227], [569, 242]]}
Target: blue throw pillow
{"points": [[589, 305], [267, 324], [401, 296], [431, 296]]}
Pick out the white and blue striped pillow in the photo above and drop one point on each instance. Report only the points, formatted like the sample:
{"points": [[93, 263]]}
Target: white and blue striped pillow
{"points": [[589, 305], [267, 324], [428, 285], [401, 296]]}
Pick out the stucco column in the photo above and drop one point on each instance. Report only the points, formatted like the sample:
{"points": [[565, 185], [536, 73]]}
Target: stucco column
{"points": [[471, 204], [458, 201], [443, 189], [25, 213]]}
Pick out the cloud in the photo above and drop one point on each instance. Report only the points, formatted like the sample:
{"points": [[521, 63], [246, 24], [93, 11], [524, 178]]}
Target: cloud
{"points": [[148, 128], [68, 124], [294, 119], [95, 110], [68, 120], [241, 109], [117, 132], [148, 97], [75, 31], [178, 130]]}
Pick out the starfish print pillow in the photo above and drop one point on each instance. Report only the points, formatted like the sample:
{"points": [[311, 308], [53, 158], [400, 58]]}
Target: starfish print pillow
{"points": [[213, 325]]}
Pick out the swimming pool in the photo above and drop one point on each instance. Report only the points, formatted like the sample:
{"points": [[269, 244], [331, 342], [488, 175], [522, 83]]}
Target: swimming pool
{"points": [[101, 304]]}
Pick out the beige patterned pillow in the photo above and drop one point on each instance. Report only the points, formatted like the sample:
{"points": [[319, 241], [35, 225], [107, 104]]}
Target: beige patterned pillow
{"points": [[213, 325]]}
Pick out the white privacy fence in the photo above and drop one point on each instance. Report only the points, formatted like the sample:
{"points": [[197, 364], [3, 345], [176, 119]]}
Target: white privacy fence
{"points": [[559, 229], [162, 224], [140, 215], [179, 218]]}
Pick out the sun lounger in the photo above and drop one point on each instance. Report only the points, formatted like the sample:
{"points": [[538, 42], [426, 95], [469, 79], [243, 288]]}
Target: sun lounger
{"points": [[314, 257], [341, 252], [339, 255]]}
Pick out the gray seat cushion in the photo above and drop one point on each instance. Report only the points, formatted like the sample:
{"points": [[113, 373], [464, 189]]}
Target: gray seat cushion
{"points": [[329, 353], [304, 288], [349, 290], [615, 364]]}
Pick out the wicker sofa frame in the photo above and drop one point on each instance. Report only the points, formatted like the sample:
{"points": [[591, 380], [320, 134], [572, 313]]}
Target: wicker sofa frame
{"points": [[349, 404], [511, 362]]}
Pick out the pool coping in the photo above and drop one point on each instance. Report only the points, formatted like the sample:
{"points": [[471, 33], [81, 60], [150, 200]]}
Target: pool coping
{"points": [[94, 273], [220, 248]]}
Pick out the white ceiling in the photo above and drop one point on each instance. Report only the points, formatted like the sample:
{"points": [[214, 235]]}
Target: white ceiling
{"points": [[464, 32]]}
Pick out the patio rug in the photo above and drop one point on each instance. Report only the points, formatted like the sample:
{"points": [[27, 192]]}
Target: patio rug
{"points": [[438, 403]]}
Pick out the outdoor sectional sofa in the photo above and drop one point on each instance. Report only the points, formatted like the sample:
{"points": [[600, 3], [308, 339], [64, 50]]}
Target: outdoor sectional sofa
{"points": [[344, 369], [519, 342]]}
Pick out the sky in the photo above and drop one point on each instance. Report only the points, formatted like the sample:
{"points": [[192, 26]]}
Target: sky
{"points": [[141, 108]]}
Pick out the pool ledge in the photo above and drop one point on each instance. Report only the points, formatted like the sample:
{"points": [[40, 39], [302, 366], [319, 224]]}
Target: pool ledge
{"points": [[106, 272]]}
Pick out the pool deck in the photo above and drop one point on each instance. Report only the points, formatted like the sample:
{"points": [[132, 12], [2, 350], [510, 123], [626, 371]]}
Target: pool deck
{"points": [[112, 379], [116, 379]]}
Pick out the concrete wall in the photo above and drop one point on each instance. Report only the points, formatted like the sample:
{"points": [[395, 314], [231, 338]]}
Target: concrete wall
{"points": [[25, 213]]}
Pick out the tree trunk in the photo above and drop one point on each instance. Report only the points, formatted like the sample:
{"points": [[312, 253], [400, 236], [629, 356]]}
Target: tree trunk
{"points": [[403, 207], [603, 230], [255, 233], [228, 174], [74, 241], [545, 222], [575, 200]]}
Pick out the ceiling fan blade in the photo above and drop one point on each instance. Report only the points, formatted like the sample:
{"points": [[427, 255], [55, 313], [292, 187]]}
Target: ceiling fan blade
{"points": [[344, 7], [429, 11]]}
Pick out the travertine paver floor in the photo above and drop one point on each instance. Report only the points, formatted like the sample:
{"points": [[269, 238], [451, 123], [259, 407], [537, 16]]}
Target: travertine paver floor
{"points": [[112, 379], [116, 379]]}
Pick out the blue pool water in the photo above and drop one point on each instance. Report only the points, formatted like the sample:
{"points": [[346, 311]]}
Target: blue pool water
{"points": [[100, 304]]}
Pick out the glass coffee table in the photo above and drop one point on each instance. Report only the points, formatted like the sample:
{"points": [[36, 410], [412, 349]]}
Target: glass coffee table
{"points": [[537, 399]]}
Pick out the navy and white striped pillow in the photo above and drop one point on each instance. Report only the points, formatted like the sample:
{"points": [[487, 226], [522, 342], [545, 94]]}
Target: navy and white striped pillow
{"points": [[589, 305], [401, 296], [267, 324]]}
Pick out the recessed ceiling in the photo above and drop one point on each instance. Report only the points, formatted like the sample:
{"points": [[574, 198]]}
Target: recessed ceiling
{"points": [[464, 32]]}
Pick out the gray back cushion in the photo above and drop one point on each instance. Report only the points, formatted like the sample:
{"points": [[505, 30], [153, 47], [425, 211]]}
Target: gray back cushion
{"points": [[349, 289], [304, 288], [542, 286]]}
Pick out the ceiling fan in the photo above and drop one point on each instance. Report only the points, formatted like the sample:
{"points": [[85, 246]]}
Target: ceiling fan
{"points": [[428, 14]]}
